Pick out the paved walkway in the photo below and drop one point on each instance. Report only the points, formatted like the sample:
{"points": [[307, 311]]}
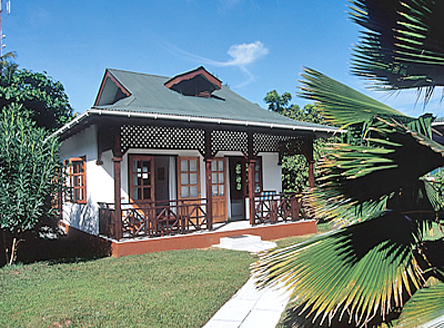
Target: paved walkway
{"points": [[250, 307]]}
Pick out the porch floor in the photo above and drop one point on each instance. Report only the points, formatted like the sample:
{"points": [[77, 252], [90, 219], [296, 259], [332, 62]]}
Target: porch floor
{"points": [[205, 238]]}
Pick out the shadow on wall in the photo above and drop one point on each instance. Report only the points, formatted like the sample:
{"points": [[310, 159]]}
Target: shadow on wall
{"points": [[73, 245], [84, 217]]}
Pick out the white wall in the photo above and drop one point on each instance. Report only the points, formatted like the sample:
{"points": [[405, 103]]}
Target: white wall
{"points": [[271, 172], [99, 182]]}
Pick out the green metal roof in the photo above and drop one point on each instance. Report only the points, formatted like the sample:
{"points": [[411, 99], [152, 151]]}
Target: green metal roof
{"points": [[148, 95]]}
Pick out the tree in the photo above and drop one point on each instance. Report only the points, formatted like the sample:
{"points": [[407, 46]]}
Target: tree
{"points": [[29, 165], [382, 267], [38, 92], [295, 167]]}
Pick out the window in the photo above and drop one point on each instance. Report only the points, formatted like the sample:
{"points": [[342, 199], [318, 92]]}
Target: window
{"points": [[76, 168], [141, 178], [189, 177]]}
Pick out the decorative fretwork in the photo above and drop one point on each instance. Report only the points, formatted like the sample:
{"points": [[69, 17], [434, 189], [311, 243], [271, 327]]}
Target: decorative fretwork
{"points": [[162, 137], [263, 142], [229, 141]]}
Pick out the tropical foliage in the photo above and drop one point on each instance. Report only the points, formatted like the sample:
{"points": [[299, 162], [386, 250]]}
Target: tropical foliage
{"points": [[295, 167], [29, 166], [38, 92], [32, 106], [384, 265]]}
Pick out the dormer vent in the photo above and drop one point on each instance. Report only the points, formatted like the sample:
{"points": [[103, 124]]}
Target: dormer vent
{"points": [[197, 83]]}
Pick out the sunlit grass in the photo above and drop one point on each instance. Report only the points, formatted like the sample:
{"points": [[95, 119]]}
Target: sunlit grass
{"points": [[168, 289]]}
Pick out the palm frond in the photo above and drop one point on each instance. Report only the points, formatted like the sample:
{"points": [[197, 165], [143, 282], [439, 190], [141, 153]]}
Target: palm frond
{"points": [[424, 309], [366, 270], [402, 45], [340, 104], [394, 150]]}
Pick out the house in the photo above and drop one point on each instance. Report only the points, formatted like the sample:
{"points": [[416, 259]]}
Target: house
{"points": [[157, 155]]}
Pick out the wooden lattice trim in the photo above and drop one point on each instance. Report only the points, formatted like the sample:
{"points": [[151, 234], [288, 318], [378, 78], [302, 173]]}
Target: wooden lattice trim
{"points": [[162, 137], [225, 140]]}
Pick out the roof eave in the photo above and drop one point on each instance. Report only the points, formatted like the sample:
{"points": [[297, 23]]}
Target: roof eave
{"points": [[98, 111]]}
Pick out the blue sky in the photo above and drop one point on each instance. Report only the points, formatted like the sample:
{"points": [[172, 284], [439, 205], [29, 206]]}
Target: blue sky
{"points": [[254, 46]]}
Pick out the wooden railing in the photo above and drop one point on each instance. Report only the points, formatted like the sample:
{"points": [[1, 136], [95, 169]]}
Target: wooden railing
{"points": [[154, 218], [163, 218], [272, 208]]}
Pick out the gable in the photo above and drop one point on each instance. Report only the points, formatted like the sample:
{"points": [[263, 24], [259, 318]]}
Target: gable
{"points": [[110, 91]]}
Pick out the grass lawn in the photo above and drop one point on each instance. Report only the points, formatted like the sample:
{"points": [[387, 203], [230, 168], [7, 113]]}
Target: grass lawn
{"points": [[168, 289]]}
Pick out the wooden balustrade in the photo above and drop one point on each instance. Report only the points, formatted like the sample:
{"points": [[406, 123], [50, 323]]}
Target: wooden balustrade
{"points": [[154, 218], [164, 218], [272, 208]]}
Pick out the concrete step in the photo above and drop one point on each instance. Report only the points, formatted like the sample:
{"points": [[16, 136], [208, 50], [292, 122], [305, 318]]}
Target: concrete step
{"points": [[249, 243]]}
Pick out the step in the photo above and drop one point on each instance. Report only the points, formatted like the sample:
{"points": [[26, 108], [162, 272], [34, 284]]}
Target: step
{"points": [[250, 243]]}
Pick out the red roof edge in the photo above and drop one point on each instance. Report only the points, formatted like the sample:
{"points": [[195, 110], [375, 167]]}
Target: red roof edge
{"points": [[102, 86], [189, 75]]}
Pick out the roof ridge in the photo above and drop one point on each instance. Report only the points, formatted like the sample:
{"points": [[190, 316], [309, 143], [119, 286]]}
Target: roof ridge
{"points": [[135, 73]]}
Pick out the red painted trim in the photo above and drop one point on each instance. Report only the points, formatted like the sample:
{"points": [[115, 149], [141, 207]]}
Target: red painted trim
{"points": [[207, 239], [189, 75], [108, 75]]}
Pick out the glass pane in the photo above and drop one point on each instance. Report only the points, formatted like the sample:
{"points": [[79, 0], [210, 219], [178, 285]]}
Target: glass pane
{"points": [[214, 178], [221, 166], [214, 188], [146, 166], [184, 178], [76, 167], [136, 193], [256, 177], [221, 190], [193, 191], [75, 194], [257, 188], [184, 166], [136, 166], [146, 179], [193, 178], [184, 192], [214, 166], [136, 180], [221, 178], [193, 166], [146, 193]]}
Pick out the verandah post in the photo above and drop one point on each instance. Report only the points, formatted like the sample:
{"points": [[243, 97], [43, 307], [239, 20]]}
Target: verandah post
{"points": [[251, 164], [117, 199], [311, 177], [117, 159], [209, 193]]}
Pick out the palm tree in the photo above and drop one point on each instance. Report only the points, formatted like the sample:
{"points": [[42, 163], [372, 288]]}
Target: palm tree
{"points": [[382, 266], [7, 67]]}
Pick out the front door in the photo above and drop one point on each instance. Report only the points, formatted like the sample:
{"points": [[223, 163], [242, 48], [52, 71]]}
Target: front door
{"points": [[141, 179], [218, 181]]}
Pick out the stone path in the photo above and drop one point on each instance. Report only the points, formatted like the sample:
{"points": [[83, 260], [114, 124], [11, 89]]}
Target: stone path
{"points": [[250, 307]]}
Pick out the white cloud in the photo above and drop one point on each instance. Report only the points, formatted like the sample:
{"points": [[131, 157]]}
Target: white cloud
{"points": [[242, 55], [246, 53]]}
